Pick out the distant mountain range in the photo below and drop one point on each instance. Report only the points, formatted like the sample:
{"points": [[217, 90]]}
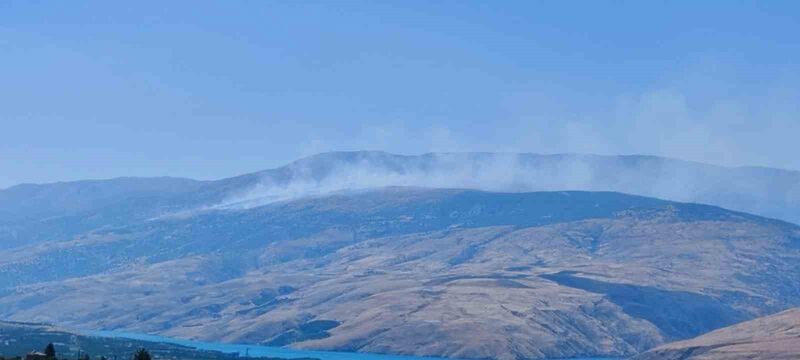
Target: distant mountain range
{"points": [[442, 254]]}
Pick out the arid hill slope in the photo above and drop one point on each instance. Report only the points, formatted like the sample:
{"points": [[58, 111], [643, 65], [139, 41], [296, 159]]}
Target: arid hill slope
{"points": [[32, 213], [456, 273], [774, 337]]}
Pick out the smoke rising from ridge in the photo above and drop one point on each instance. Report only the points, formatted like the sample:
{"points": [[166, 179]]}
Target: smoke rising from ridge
{"points": [[754, 190]]}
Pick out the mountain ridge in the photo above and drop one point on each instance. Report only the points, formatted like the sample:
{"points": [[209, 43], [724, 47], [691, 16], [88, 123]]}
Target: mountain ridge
{"points": [[420, 272], [416, 255], [423, 155], [764, 191]]}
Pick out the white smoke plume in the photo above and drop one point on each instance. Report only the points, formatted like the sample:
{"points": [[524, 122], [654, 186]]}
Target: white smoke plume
{"points": [[755, 190]]}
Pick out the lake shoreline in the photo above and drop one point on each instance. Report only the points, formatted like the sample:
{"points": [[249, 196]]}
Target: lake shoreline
{"points": [[271, 351]]}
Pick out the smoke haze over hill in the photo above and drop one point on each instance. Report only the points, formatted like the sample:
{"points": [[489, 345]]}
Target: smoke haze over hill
{"points": [[759, 190]]}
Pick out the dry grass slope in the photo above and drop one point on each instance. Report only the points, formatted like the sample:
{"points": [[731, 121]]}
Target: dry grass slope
{"points": [[775, 337]]}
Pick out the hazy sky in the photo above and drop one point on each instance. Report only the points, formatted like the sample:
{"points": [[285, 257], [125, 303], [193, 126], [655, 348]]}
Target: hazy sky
{"points": [[213, 89]]}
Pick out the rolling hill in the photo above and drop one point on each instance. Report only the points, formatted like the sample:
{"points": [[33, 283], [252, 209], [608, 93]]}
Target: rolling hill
{"points": [[407, 270], [32, 213], [774, 337]]}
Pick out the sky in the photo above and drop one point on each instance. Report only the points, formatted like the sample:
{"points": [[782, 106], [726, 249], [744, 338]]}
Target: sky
{"points": [[201, 89]]}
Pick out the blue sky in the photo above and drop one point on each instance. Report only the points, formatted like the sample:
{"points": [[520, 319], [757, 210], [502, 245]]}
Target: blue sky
{"points": [[213, 89]]}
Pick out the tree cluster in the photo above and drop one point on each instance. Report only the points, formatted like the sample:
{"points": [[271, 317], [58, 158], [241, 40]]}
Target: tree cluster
{"points": [[50, 354]]}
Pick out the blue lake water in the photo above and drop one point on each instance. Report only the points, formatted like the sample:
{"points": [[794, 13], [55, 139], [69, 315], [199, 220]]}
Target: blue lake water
{"points": [[258, 350]]}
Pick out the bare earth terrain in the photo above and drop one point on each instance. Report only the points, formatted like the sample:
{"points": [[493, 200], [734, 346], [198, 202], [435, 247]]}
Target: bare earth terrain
{"points": [[452, 273], [316, 254], [775, 337]]}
